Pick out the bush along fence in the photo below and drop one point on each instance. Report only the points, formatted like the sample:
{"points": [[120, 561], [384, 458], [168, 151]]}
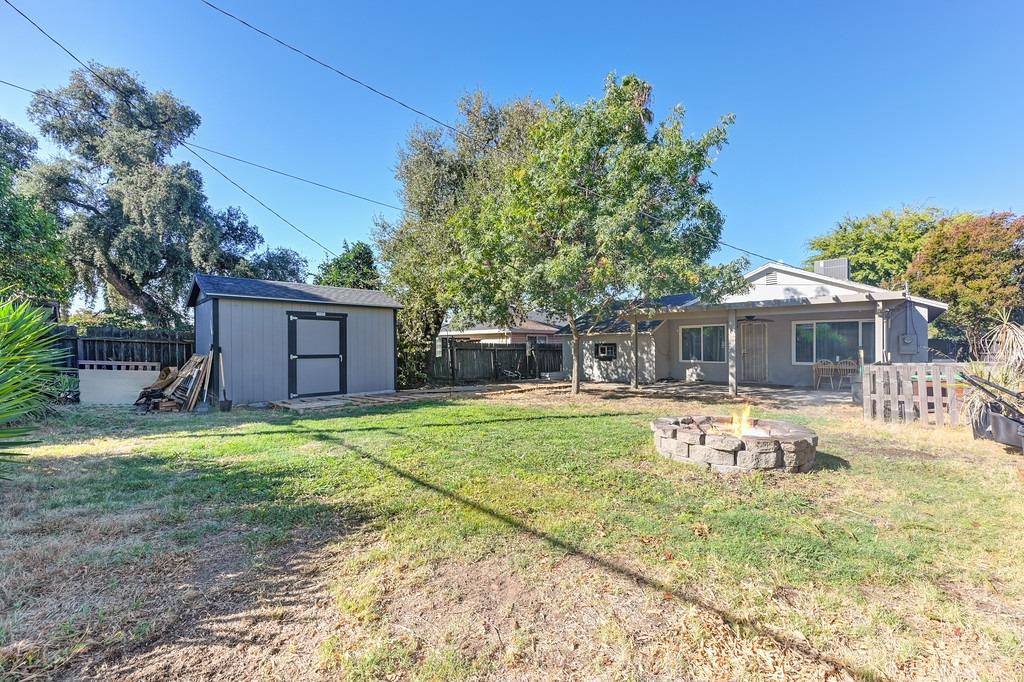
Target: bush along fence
{"points": [[117, 348], [467, 362], [927, 393]]}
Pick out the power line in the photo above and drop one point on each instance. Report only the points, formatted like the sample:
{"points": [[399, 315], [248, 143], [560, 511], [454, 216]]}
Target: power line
{"points": [[297, 177], [336, 70], [192, 151], [261, 166], [707, 236], [257, 200]]}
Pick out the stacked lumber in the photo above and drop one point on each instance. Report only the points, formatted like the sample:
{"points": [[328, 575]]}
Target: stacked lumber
{"points": [[178, 390]]}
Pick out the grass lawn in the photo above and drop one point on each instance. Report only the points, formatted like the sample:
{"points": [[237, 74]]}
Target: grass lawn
{"points": [[515, 537]]}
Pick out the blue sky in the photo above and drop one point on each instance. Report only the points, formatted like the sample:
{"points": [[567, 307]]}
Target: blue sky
{"points": [[842, 108]]}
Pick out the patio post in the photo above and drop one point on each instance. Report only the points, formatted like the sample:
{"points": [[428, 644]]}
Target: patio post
{"points": [[730, 350], [881, 335]]}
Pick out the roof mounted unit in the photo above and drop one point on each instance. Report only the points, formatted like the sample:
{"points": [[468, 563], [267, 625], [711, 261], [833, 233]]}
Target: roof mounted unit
{"points": [[838, 268]]}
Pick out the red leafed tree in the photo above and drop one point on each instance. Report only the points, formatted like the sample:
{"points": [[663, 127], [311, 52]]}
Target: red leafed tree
{"points": [[975, 263]]}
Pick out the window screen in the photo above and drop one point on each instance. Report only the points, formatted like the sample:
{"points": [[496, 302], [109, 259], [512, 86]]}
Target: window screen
{"points": [[804, 340], [714, 344], [836, 340]]}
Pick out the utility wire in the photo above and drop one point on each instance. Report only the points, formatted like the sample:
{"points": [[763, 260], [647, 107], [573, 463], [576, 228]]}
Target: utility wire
{"points": [[128, 103], [707, 236], [336, 70], [315, 183]]}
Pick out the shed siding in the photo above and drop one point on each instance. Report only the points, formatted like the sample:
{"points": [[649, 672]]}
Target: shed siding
{"points": [[254, 339], [204, 327]]}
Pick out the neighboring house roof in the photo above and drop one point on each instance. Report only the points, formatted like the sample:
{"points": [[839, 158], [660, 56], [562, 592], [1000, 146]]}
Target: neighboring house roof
{"points": [[216, 286], [858, 292]]}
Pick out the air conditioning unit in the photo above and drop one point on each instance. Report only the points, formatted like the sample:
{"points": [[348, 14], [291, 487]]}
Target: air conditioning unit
{"points": [[838, 268]]}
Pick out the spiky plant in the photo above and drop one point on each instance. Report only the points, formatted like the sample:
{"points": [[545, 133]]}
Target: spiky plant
{"points": [[1004, 345], [1005, 341], [28, 363]]}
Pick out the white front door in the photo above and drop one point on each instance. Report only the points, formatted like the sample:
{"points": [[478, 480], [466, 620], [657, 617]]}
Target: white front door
{"points": [[753, 344]]}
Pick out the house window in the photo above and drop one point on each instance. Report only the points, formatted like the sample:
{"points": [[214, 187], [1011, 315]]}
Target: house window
{"points": [[702, 344], [832, 340], [605, 351], [536, 339]]}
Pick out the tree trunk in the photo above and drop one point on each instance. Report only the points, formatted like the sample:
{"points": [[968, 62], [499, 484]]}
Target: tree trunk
{"points": [[636, 355], [576, 355], [155, 312]]}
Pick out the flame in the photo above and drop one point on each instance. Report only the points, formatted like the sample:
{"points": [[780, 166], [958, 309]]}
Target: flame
{"points": [[741, 421]]}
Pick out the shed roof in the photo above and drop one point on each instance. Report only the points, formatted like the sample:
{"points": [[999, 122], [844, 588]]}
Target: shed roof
{"points": [[216, 286]]}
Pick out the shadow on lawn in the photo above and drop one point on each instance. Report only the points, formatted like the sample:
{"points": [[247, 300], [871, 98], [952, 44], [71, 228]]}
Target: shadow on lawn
{"points": [[609, 564], [825, 461]]}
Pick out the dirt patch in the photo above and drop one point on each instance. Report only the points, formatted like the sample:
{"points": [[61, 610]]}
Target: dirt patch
{"points": [[566, 618], [268, 622]]}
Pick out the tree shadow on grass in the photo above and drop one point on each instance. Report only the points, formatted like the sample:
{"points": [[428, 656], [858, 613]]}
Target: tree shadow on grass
{"points": [[140, 533], [604, 563]]}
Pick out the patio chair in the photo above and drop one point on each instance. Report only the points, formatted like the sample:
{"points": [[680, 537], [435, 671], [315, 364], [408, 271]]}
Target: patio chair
{"points": [[824, 369], [846, 369]]}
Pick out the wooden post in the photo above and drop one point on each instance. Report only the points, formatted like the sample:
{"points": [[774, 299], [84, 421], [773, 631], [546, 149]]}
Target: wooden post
{"points": [[730, 350], [636, 355]]}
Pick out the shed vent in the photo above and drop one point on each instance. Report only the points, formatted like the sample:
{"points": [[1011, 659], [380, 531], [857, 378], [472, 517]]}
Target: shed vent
{"points": [[833, 267]]}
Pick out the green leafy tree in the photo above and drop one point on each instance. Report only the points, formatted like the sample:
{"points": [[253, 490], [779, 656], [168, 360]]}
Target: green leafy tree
{"points": [[880, 246], [17, 148], [138, 226], [355, 268], [437, 171], [28, 364], [975, 263], [605, 205], [33, 253]]}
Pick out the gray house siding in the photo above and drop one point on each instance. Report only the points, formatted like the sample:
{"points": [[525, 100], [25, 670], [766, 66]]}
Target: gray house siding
{"points": [[254, 340], [619, 369]]}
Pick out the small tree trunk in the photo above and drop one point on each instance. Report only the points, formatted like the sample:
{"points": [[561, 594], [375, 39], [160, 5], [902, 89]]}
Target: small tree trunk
{"points": [[576, 355], [636, 356]]}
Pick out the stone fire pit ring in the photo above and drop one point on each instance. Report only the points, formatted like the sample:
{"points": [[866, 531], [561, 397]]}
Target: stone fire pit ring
{"points": [[767, 444]]}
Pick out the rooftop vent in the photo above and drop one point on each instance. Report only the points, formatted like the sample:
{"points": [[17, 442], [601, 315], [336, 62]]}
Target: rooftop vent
{"points": [[833, 267]]}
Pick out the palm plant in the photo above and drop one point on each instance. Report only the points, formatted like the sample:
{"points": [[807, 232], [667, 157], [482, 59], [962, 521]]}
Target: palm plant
{"points": [[28, 363]]}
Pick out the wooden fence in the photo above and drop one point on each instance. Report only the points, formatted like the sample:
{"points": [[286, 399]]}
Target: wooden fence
{"points": [[117, 345], [467, 362], [929, 393]]}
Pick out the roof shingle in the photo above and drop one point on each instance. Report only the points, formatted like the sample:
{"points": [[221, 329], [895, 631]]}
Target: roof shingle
{"points": [[216, 286]]}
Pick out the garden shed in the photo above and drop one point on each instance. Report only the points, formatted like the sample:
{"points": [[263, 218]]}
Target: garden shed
{"points": [[283, 340]]}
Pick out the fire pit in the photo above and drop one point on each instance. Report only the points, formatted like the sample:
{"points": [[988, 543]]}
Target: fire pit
{"points": [[736, 443]]}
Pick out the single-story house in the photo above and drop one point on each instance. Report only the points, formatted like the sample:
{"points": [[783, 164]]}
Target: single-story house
{"points": [[283, 340], [771, 334], [536, 328]]}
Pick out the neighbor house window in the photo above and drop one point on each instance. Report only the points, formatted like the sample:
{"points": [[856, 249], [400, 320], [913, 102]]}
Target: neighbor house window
{"points": [[605, 351], [536, 339], [702, 344], [833, 340]]}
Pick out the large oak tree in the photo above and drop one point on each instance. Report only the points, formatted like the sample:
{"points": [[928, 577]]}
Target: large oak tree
{"points": [[138, 224]]}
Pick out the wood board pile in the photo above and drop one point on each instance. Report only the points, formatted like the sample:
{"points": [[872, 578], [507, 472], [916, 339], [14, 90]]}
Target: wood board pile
{"points": [[178, 390]]}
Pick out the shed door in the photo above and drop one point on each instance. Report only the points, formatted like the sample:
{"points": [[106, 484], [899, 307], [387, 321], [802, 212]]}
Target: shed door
{"points": [[316, 354], [754, 352]]}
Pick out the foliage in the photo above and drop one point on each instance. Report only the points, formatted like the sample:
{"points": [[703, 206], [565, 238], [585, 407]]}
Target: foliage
{"points": [[138, 226], [603, 206], [880, 246], [33, 254], [418, 251], [17, 148], [1005, 341], [28, 362], [354, 268], [975, 263], [84, 318]]}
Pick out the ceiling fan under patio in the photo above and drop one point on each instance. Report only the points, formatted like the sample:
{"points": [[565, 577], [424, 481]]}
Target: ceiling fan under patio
{"points": [[755, 318]]}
